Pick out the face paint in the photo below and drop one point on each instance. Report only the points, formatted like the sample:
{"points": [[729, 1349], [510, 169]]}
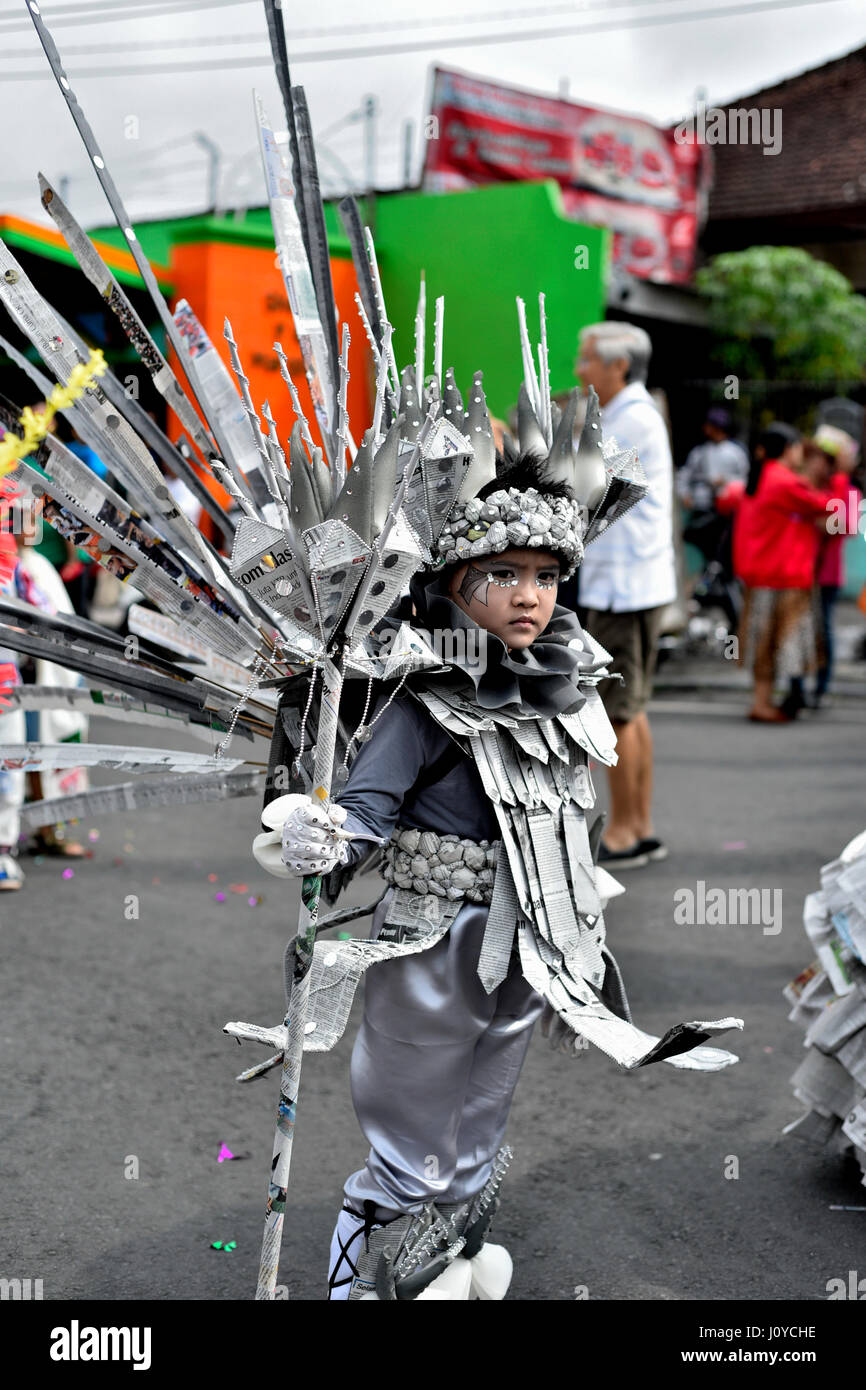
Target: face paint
{"points": [[506, 578], [474, 584], [516, 593]]}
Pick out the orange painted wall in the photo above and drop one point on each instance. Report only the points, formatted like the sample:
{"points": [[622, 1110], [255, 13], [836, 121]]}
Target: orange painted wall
{"points": [[242, 283]]}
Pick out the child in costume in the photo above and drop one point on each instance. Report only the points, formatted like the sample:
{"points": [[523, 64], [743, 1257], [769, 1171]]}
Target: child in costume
{"points": [[494, 908], [475, 775]]}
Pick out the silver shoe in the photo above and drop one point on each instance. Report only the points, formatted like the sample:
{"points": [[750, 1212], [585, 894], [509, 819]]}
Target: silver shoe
{"points": [[472, 1220], [400, 1259]]}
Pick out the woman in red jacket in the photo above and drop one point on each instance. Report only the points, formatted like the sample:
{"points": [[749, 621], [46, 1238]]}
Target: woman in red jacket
{"points": [[777, 534]]}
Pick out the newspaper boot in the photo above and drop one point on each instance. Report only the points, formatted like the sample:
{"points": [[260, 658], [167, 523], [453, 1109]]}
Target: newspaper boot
{"points": [[408, 1257], [490, 1265]]}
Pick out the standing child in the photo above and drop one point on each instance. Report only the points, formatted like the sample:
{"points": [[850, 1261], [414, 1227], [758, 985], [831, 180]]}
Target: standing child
{"points": [[475, 774]]}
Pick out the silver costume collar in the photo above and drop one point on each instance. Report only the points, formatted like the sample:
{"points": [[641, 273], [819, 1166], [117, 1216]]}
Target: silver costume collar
{"points": [[542, 679]]}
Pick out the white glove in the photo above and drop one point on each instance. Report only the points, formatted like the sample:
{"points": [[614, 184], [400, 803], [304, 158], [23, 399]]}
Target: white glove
{"points": [[313, 842], [304, 837]]}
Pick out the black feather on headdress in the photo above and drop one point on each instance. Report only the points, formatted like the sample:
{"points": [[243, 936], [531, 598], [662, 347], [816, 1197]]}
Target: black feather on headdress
{"points": [[527, 470]]}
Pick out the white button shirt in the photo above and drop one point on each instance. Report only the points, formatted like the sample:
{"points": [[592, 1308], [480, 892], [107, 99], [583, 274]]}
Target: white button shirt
{"points": [[632, 565]]}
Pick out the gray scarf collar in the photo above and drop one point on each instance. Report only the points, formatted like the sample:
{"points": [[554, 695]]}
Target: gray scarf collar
{"points": [[541, 679]]}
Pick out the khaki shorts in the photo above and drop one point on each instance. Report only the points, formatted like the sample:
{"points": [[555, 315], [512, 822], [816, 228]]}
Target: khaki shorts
{"points": [[632, 640]]}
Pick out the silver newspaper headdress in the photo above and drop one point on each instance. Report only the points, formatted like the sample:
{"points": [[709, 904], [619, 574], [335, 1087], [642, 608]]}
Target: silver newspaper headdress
{"points": [[554, 497]]}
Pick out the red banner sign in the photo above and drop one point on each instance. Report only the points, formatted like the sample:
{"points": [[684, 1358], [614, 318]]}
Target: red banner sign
{"points": [[616, 171]]}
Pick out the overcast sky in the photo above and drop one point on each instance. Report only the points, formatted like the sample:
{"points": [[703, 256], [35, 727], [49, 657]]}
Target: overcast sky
{"points": [[649, 69]]}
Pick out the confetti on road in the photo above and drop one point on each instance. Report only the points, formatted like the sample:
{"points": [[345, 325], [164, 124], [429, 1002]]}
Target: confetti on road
{"points": [[224, 1153], [734, 844], [68, 873]]}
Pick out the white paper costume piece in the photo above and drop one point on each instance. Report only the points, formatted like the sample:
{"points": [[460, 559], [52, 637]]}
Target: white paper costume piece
{"points": [[829, 1004]]}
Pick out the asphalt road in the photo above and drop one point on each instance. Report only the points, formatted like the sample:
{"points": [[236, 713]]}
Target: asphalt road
{"points": [[112, 1049]]}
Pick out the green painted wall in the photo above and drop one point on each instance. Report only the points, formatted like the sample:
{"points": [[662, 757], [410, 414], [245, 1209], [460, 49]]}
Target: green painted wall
{"points": [[156, 238], [481, 249]]}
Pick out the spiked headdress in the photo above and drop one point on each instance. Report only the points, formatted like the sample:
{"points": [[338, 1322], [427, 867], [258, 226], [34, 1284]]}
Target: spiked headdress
{"points": [[552, 497], [324, 539]]}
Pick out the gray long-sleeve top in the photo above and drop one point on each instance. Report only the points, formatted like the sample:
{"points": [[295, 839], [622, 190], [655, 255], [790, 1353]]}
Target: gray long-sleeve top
{"points": [[379, 793]]}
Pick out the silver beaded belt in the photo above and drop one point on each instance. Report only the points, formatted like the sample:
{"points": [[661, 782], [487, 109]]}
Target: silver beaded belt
{"points": [[445, 865]]}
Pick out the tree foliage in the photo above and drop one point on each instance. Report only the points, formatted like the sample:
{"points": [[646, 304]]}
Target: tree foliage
{"points": [[780, 313]]}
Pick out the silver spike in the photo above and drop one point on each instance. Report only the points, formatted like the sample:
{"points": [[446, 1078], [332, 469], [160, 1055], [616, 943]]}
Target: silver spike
{"points": [[381, 380], [438, 331], [529, 376], [296, 403], [589, 474], [249, 408], [277, 470], [383, 316], [544, 374], [371, 339], [482, 466], [420, 333], [342, 432], [225, 479]]}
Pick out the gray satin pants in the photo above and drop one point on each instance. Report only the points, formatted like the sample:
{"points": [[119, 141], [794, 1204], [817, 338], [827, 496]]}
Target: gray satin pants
{"points": [[434, 1069]]}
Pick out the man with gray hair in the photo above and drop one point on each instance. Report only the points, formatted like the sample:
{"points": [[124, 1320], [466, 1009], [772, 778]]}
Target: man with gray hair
{"points": [[627, 579]]}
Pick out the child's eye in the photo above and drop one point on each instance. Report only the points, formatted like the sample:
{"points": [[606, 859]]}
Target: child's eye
{"points": [[505, 579], [547, 580]]}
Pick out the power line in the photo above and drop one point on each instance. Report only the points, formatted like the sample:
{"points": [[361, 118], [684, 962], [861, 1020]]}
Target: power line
{"points": [[168, 170], [114, 11], [421, 45], [155, 152], [101, 6], [165, 172], [440, 21], [119, 46], [143, 156], [331, 31]]}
